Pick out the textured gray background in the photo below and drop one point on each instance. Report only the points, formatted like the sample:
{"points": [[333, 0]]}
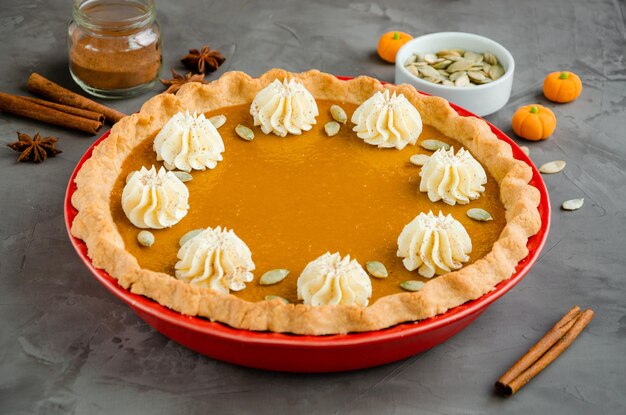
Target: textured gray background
{"points": [[68, 346]]}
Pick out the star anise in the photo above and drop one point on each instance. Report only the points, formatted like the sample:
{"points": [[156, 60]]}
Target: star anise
{"points": [[204, 61], [177, 81], [35, 149]]}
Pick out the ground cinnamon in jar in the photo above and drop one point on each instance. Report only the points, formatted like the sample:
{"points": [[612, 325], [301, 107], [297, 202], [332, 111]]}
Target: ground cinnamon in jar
{"points": [[114, 47]]}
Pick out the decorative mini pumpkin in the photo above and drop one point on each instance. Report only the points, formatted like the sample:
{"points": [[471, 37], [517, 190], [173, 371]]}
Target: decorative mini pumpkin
{"points": [[562, 86], [390, 43], [534, 122]]}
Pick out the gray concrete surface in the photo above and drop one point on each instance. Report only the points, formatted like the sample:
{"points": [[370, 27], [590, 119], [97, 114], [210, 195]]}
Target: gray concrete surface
{"points": [[69, 347]]}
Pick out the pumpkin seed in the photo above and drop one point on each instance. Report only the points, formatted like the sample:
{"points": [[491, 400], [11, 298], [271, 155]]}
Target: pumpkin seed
{"points": [[145, 238], [413, 70], [443, 64], [189, 235], [419, 159], [273, 276], [429, 71], [276, 297], [525, 150], [445, 53], [244, 132], [473, 56], [128, 177], [183, 176], [412, 285], [331, 128], [479, 214], [496, 71], [447, 82], [218, 120], [376, 269], [453, 58], [573, 204], [433, 80], [462, 80], [460, 65], [430, 58], [476, 76], [434, 145], [457, 75], [490, 58], [338, 114], [552, 167]]}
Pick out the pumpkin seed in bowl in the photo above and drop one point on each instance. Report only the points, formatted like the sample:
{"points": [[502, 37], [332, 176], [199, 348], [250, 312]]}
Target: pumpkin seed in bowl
{"points": [[455, 67]]}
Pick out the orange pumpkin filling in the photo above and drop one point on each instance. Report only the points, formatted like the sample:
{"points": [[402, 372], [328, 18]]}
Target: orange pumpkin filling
{"points": [[292, 199]]}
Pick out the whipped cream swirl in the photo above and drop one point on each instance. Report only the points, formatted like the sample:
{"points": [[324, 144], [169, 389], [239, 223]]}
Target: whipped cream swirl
{"points": [[387, 121], [154, 199], [434, 244], [189, 142], [332, 280], [216, 259], [284, 107], [453, 178]]}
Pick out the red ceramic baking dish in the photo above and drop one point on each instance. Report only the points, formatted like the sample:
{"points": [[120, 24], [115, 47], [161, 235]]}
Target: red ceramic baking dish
{"points": [[295, 353]]}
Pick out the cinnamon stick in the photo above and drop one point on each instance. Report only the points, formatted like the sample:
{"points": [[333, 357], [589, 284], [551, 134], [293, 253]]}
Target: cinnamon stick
{"points": [[67, 109], [54, 92], [538, 357], [26, 108]]}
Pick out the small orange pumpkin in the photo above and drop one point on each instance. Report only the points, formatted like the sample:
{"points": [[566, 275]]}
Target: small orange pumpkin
{"points": [[562, 86], [390, 43], [534, 122]]}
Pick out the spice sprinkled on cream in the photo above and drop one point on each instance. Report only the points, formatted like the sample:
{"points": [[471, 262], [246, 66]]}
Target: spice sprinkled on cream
{"points": [[189, 142], [387, 120], [154, 200], [434, 244], [453, 178], [332, 280], [284, 108]]}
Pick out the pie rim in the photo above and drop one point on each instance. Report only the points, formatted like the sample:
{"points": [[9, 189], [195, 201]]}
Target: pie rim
{"points": [[95, 226]]}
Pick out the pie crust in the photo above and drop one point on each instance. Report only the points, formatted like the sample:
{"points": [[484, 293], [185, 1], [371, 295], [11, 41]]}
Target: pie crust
{"points": [[94, 223]]}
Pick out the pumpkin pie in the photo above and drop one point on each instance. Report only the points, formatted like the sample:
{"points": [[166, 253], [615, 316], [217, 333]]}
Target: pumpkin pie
{"points": [[288, 203]]}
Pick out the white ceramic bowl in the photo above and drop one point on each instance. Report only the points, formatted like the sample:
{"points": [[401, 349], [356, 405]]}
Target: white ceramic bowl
{"points": [[480, 99]]}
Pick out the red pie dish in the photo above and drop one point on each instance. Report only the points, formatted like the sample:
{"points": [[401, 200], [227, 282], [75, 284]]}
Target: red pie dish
{"points": [[306, 353]]}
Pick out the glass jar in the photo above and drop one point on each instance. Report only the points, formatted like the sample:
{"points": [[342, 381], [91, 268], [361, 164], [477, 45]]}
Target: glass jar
{"points": [[114, 46]]}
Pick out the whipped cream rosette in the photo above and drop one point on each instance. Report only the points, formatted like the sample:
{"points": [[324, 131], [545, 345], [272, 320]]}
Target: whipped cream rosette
{"points": [[155, 200], [434, 245], [332, 280], [284, 108], [189, 142], [387, 120], [453, 178], [217, 259]]}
